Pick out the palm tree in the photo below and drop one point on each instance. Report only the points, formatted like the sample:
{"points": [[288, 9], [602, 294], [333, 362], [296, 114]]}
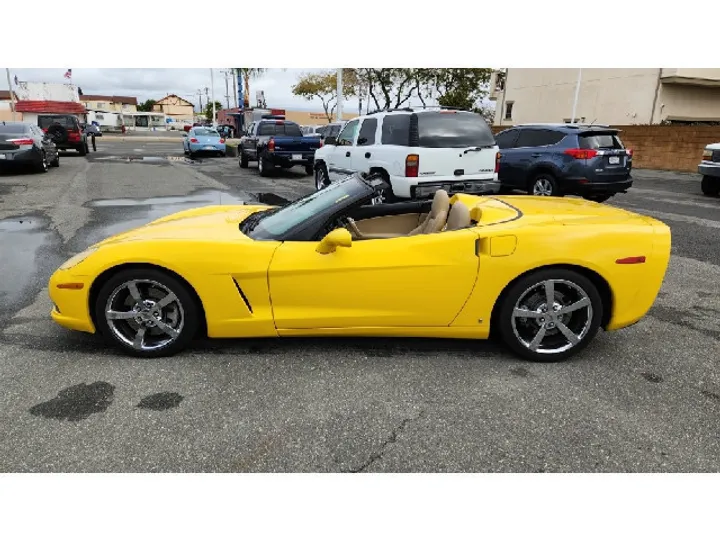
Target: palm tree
{"points": [[247, 74]]}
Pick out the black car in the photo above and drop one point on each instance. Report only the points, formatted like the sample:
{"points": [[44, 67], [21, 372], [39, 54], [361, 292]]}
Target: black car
{"points": [[65, 131], [25, 145], [564, 159]]}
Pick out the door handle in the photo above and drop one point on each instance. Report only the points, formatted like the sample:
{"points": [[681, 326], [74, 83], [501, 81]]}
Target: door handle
{"points": [[347, 154], [367, 155], [535, 155]]}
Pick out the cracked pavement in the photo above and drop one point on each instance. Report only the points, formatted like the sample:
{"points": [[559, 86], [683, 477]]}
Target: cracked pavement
{"points": [[646, 399]]}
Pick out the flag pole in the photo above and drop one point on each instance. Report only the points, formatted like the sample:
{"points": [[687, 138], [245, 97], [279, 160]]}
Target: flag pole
{"points": [[12, 94]]}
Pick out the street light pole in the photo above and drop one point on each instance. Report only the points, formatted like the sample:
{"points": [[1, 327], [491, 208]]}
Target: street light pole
{"points": [[212, 90], [577, 94], [339, 95]]}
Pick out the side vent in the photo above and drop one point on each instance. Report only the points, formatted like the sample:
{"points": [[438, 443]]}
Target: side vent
{"points": [[242, 294]]}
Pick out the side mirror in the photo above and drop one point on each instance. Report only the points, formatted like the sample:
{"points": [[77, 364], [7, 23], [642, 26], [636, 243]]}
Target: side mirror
{"points": [[330, 140], [333, 240]]}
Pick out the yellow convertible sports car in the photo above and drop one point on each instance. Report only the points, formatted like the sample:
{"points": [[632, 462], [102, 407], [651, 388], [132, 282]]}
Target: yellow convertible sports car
{"points": [[541, 273]]}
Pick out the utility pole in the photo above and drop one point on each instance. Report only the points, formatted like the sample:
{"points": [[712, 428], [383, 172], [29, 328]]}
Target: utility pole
{"points": [[234, 81], [226, 73], [212, 86], [12, 94], [339, 95], [577, 94], [199, 92]]}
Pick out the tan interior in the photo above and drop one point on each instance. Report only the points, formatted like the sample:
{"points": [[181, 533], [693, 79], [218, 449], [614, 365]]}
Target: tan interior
{"points": [[459, 217], [404, 224]]}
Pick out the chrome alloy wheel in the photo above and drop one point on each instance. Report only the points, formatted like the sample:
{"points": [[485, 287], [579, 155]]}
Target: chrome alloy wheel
{"points": [[552, 316], [542, 187], [144, 314], [320, 179]]}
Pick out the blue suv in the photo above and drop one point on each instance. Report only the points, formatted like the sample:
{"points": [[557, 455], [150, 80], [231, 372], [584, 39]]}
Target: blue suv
{"points": [[564, 159]]}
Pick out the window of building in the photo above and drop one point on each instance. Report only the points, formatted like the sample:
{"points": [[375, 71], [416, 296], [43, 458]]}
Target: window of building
{"points": [[508, 110], [101, 104]]}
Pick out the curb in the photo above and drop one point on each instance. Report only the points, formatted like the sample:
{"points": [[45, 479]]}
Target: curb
{"points": [[139, 138]]}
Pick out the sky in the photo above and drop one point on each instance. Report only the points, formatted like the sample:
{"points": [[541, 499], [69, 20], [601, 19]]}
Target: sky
{"points": [[157, 83]]}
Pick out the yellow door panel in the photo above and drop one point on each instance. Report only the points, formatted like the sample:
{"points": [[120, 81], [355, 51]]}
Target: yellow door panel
{"points": [[421, 280]]}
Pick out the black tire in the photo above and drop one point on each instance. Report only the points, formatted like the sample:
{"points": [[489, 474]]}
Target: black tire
{"points": [[598, 198], [264, 166], [710, 186], [191, 313], [243, 160], [222, 154], [94, 146], [83, 149], [387, 195], [322, 180], [309, 169], [589, 317], [56, 162], [42, 166], [544, 185]]}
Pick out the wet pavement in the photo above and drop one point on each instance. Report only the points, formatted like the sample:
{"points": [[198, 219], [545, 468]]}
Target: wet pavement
{"points": [[643, 399]]}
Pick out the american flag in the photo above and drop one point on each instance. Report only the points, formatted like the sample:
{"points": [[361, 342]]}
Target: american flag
{"points": [[68, 74]]}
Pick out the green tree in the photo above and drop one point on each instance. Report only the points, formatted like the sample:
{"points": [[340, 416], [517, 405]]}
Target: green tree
{"points": [[323, 86], [209, 110], [147, 106]]}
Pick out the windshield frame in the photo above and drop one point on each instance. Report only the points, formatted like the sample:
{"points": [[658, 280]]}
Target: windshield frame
{"points": [[338, 198]]}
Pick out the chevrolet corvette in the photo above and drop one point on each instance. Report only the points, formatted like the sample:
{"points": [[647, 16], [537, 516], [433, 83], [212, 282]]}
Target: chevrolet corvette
{"points": [[542, 274]]}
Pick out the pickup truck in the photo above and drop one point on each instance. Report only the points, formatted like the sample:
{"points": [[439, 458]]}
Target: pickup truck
{"points": [[277, 143]]}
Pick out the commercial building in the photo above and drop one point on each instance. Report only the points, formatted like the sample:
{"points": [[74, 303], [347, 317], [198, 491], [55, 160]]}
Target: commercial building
{"points": [[618, 96]]}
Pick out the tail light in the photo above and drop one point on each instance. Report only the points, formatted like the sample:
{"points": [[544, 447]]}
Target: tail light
{"points": [[193, 140], [412, 166], [73, 135], [21, 142], [497, 162], [271, 145], [321, 143], [629, 152], [222, 141], [581, 153]]}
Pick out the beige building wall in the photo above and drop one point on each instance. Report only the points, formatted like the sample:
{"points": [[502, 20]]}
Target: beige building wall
{"points": [[607, 96], [619, 96], [109, 106], [305, 118], [175, 107]]}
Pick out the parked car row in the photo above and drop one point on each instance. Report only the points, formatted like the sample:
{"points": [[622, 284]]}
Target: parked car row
{"points": [[418, 151]]}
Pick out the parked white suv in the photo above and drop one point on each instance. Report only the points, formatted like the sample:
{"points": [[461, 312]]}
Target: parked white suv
{"points": [[416, 151]]}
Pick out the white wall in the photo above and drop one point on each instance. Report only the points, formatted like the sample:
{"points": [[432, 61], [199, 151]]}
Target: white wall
{"points": [[47, 92]]}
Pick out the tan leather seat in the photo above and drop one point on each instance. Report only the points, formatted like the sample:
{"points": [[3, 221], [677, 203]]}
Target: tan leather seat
{"points": [[436, 218], [459, 217]]}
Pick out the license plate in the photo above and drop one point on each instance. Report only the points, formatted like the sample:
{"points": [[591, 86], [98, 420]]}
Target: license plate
{"points": [[209, 148], [297, 157], [3, 156], [614, 160]]}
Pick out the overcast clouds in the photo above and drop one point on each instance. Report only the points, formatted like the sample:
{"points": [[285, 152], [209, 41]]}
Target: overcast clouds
{"points": [[157, 83]]}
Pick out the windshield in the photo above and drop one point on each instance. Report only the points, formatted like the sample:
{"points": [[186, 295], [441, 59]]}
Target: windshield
{"points": [[450, 129], [207, 132], [65, 121], [277, 223]]}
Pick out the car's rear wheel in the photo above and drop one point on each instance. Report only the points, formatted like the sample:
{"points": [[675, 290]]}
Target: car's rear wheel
{"points": [[544, 185], [710, 186], [82, 149], [244, 161], [147, 313], [263, 166], [42, 165], [550, 315], [321, 177], [56, 162], [598, 198]]}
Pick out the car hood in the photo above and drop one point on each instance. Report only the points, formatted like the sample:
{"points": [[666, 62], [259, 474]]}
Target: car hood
{"points": [[218, 222]]}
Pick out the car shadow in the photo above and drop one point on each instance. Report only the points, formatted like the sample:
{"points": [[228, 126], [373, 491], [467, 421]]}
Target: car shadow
{"points": [[295, 173]]}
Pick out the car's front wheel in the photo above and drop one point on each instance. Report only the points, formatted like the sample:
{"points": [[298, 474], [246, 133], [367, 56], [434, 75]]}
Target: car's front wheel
{"points": [[147, 313], [42, 165], [550, 315], [244, 161], [710, 186]]}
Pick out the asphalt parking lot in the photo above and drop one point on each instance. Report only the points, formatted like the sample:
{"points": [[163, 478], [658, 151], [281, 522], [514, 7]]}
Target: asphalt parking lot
{"points": [[645, 399]]}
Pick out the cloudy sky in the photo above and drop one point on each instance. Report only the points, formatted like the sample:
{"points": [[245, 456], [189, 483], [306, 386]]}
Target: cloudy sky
{"points": [[156, 83]]}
